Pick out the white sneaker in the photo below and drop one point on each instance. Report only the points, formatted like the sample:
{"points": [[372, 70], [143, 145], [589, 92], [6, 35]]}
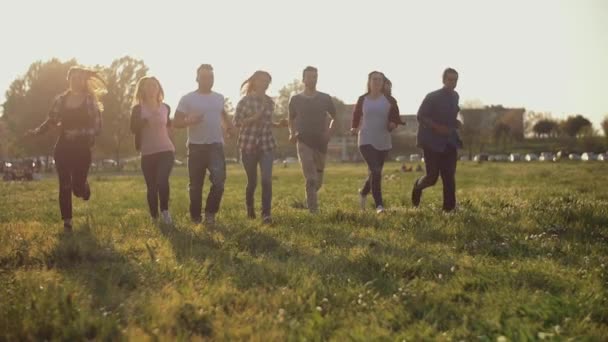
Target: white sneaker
{"points": [[166, 217], [362, 202], [380, 210]]}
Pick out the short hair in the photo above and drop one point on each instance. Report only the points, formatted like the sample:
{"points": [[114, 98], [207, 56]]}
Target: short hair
{"points": [[449, 71], [204, 67], [309, 68]]}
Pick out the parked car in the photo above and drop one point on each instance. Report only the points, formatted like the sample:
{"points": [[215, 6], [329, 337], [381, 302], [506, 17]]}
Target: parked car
{"points": [[481, 157], [178, 162], [414, 158], [500, 158], [602, 157], [401, 158], [546, 156], [531, 157], [290, 160], [574, 156], [560, 155], [18, 170], [109, 163], [515, 157], [589, 156], [464, 158]]}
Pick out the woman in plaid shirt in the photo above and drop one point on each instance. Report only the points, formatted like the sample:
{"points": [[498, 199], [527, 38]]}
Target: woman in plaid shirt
{"points": [[254, 118], [77, 114]]}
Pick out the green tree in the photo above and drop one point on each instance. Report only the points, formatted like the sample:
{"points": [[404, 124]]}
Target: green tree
{"points": [[531, 118], [121, 78], [281, 102], [545, 128], [27, 102], [604, 125], [285, 93], [572, 126]]}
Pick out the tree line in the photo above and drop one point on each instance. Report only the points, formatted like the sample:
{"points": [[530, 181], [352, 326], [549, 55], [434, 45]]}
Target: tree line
{"points": [[28, 98]]}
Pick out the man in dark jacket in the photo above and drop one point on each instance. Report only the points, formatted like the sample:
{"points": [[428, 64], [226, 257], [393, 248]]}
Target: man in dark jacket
{"points": [[439, 140]]}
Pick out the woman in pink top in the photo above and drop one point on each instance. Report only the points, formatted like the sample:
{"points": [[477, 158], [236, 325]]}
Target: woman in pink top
{"points": [[150, 122]]}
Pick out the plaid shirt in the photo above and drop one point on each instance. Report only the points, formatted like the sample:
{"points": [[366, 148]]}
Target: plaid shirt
{"points": [[256, 135], [54, 118]]}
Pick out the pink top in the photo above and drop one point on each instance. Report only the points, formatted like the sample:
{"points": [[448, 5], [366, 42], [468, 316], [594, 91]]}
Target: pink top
{"points": [[155, 133]]}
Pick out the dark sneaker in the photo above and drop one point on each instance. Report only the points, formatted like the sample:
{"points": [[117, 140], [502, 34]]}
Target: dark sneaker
{"points": [[209, 219], [87, 192], [166, 217], [267, 219], [416, 194], [67, 227], [449, 209], [251, 213]]}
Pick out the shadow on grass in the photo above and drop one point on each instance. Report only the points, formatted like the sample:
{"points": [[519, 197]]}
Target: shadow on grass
{"points": [[222, 259]]}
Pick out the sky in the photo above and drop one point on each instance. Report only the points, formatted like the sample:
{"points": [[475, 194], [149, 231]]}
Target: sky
{"points": [[544, 55]]}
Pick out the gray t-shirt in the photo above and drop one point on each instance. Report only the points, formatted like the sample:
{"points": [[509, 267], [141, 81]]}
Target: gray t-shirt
{"points": [[374, 124], [311, 121], [210, 107]]}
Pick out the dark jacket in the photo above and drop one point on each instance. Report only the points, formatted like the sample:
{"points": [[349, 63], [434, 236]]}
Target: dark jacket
{"points": [[440, 107], [137, 123]]}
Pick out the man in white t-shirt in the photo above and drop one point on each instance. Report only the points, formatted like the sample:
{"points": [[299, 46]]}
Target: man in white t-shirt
{"points": [[202, 112]]}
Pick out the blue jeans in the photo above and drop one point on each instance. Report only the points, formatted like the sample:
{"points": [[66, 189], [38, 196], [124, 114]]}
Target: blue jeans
{"points": [[251, 159], [203, 157], [157, 169]]}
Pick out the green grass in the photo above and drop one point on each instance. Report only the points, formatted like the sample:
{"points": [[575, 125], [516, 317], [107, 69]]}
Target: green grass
{"points": [[525, 257]]}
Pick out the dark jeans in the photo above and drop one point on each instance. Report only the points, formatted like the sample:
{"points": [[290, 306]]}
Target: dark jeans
{"points": [[251, 160], [72, 166], [203, 157], [157, 169], [375, 163], [441, 164]]}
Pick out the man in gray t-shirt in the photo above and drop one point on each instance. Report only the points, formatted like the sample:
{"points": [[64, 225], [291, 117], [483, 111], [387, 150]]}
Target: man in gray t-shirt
{"points": [[202, 112], [309, 114]]}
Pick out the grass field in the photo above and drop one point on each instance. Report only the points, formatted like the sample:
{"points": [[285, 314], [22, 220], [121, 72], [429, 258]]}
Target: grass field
{"points": [[525, 258]]}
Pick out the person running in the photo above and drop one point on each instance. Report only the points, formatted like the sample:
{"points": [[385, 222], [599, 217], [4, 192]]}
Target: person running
{"points": [[375, 116], [254, 118], [202, 112], [308, 128], [150, 123], [439, 140], [77, 114]]}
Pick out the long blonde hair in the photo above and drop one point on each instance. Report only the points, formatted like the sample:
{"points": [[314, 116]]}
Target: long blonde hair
{"points": [[248, 86], [140, 95], [95, 85]]}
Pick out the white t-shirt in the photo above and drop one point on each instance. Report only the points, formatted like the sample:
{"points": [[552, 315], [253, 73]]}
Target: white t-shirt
{"points": [[210, 107], [374, 124]]}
